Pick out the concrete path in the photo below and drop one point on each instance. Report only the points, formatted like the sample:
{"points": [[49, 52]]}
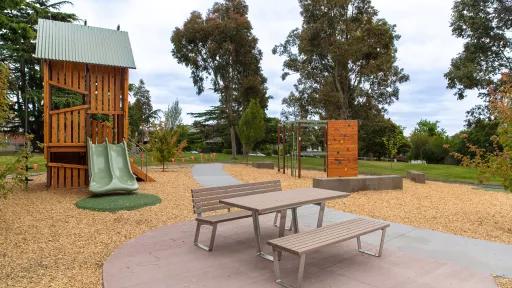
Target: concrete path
{"points": [[485, 256], [212, 175]]}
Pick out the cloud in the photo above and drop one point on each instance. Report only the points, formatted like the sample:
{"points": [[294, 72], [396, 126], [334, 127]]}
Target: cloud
{"points": [[424, 51]]}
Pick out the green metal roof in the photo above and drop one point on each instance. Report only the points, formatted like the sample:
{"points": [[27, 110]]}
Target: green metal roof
{"points": [[84, 44]]}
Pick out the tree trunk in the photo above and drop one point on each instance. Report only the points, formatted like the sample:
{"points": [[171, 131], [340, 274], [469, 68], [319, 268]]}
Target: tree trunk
{"points": [[341, 82], [228, 103], [23, 92], [233, 141]]}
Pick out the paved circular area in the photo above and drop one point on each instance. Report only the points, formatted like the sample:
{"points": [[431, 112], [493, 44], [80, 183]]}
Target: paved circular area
{"points": [[166, 257]]}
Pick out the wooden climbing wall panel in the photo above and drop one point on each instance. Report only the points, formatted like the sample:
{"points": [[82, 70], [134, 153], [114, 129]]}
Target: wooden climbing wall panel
{"points": [[105, 89], [342, 148]]}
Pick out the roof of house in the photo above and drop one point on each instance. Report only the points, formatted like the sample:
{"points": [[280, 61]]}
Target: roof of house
{"points": [[84, 44], [214, 140]]}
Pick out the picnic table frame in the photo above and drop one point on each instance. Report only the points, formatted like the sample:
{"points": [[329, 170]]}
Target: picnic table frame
{"points": [[282, 201]]}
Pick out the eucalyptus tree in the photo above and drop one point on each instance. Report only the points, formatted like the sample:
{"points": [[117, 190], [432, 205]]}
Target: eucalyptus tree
{"points": [[221, 48], [485, 26], [172, 116], [345, 55], [141, 111]]}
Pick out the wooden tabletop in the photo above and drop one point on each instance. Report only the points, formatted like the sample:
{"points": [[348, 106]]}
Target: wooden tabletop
{"points": [[273, 201]]}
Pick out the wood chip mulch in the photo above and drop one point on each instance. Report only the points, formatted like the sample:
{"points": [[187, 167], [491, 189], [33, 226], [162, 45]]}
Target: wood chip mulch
{"points": [[453, 208], [45, 241]]}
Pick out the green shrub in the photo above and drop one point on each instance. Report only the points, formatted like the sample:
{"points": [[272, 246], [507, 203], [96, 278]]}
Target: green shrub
{"points": [[14, 174]]}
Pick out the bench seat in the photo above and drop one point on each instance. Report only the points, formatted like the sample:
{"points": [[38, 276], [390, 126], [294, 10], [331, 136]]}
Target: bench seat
{"points": [[220, 218], [306, 242]]}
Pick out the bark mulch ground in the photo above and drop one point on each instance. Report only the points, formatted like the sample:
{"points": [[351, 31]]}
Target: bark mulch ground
{"points": [[454, 208], [45, 241]]}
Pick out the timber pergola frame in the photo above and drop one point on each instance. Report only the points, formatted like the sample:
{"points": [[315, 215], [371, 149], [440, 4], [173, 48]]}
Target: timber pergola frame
{"points": [[295, 128]]}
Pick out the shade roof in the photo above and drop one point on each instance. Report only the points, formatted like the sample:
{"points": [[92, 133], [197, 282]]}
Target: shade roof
{"points": [[84, 44]]}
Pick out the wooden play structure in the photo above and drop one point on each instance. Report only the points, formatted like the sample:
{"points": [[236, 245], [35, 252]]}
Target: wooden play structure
{"points": [[340, 146], [93, 63]]}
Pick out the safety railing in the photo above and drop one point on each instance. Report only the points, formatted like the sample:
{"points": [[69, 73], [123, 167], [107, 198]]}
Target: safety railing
{"points": [[138, 153]]}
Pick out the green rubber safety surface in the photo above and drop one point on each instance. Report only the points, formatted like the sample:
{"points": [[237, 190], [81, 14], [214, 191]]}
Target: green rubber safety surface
{"points": [[118, 202]]}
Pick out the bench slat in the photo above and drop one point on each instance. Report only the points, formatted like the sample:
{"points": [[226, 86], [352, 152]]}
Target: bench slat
{"points": [[340, 236], [327, 235], [213, 208], [207, 199], [236, 186], [345, 226], [225, 217], [229, 190], [252, 191], [298, 243]]}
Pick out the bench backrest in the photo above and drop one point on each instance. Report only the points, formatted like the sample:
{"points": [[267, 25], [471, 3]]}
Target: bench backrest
{"points": [[207, 199]]}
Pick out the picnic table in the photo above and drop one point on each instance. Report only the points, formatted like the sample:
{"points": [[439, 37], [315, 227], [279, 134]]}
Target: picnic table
{"points": [[282, 201]]}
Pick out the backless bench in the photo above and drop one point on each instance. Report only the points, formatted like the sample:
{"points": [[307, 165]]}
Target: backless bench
{"points": [[307, 242]]}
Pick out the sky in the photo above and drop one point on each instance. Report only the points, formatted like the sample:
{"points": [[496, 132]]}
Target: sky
{"points": [[424, 52]]}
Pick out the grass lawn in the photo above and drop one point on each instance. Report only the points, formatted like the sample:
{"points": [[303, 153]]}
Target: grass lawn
{"points": [[37, 158], [437, 172]]}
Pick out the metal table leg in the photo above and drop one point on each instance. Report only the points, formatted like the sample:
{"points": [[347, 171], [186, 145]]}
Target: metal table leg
{"points": [[321, 215], [257, 234], [295, 221], [282, 223]]}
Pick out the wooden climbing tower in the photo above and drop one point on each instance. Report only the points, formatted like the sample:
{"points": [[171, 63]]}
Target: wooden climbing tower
{"points": [[85, 75]]}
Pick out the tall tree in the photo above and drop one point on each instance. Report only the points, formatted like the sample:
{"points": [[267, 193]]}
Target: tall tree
{"points": [[251, 126], [485, 25], [344, 55], [18, 22], [172, 117], [141, 111], [220, 47]]}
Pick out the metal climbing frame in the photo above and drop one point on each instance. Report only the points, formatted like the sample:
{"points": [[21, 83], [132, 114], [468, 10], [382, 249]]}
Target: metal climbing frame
{"points": [[292, 131]]}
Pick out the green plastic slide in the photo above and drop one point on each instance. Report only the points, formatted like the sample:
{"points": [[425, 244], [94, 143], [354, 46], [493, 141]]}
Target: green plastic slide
{"points": [[109, 169]]}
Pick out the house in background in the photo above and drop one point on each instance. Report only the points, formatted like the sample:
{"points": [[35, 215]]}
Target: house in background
{"points": [[11, 142]]}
